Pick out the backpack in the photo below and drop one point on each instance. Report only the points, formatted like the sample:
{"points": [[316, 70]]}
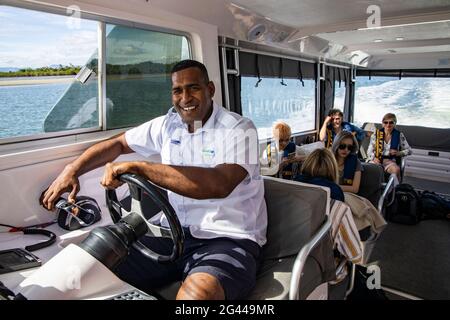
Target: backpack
{"points": [[433, 206], [405, 208]]}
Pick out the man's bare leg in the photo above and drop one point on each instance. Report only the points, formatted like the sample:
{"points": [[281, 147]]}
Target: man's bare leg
{"points": [[201, 286]]}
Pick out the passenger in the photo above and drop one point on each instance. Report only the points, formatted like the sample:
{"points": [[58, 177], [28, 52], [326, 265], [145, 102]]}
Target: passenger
{"points": [[288, 162], [367, 218], [333, 125], [223, 234], [320, 168], [388, 144], [345, 151]]}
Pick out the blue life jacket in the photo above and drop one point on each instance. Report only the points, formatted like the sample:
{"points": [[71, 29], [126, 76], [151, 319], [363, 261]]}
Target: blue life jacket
{"points": [[336, 192], [379, 144], [346, 126], [350, 168], [288, 170]]}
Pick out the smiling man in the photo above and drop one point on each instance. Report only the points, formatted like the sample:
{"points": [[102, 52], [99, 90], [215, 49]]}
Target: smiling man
{"points": [[210, 169]]}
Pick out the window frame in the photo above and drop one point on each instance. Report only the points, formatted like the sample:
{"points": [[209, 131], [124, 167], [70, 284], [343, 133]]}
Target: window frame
{"points": [[102, 20]]}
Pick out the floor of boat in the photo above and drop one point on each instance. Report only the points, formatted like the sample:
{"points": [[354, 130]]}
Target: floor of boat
{"points": [[415, 259], [442, 188]]}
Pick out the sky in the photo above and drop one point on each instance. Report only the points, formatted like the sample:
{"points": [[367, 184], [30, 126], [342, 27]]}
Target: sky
{"points": [[52, 39]]}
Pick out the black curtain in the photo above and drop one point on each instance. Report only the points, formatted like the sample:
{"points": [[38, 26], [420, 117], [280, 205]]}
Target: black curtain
{"points": [[334, 77], [399, 73], [252, 65]]}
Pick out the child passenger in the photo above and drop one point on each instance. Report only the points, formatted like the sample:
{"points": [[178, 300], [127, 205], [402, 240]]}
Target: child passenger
{"points": [[283, 152]]}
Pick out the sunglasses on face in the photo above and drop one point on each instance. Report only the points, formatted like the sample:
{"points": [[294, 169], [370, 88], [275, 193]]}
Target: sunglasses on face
{"points": [[344, 146], [389, 122]]}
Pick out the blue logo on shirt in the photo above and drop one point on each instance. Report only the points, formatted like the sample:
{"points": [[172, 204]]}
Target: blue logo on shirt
{"points": [[208, 152], [175, 141]]}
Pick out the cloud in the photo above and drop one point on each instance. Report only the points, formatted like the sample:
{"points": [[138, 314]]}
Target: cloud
{"points": [[46, 48], [35, 39], [129, 49]]}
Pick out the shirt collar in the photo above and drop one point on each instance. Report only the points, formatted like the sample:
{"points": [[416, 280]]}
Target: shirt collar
{"points": [[212, 119]]}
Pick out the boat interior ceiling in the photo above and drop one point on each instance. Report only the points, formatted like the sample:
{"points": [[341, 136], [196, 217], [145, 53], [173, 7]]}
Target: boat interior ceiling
{"points": [[124, 57], [407, 34]]}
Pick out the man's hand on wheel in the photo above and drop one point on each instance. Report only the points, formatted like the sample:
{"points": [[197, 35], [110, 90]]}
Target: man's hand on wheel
{"points": [[113, 170]]}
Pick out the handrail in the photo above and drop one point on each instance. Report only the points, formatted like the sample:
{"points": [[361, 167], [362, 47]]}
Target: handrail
{"points": [[402, 168], [300, 260], [388, 186], [352, 280]]}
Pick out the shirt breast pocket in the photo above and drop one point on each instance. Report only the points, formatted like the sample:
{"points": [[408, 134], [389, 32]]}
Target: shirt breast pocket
{"points": [[208, 155], [171, 153]]}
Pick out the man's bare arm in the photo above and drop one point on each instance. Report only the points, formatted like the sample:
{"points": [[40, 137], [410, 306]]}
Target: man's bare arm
{"points": [[192, 182], [323, 129], [94, 157], [100, 154]]}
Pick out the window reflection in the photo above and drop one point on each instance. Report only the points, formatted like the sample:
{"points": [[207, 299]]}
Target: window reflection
{"points": [[138, 81]]}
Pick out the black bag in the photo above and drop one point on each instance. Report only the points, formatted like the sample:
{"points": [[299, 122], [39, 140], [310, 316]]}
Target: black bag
{"points": [[433, 206], [405, 208]]}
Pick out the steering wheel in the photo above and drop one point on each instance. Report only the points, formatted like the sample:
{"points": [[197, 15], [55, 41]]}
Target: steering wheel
{"points": [[137, 185]]}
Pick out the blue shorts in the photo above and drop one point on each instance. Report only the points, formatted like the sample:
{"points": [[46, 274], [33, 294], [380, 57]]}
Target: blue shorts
{"points": [[234, 262]]}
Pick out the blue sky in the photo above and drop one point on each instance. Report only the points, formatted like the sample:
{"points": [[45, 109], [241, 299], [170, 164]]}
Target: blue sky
{"points": [[35, 39]]}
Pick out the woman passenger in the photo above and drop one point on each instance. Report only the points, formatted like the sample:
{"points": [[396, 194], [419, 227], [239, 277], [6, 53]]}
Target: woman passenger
{"points": [[320, 168], [387, 144], [345, 149], [367, 218]]}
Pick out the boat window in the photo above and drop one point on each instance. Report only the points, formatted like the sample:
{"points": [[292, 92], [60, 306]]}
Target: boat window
{"points": [[339, 95], [418, 101], [49, 66], [271, 100], [41, 55], [138, 80]]}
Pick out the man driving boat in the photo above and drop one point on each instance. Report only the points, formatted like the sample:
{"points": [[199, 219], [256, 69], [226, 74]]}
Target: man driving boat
{"points": [[212, 177]]}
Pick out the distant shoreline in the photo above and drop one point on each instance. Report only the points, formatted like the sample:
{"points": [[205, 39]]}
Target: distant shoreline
{"points": [[35, 80]]}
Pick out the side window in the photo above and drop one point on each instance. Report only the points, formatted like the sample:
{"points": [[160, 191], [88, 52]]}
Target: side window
{"points": [[138, 82], [272, 101], [40, 57], [49, 68], [415, 101]]}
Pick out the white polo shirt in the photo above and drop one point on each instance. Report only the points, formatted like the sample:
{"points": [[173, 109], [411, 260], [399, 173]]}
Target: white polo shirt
{"points": [[225, 138]]}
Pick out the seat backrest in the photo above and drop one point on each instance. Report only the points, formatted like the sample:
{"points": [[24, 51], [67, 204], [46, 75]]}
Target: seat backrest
{"points": [[295, 212], [364, 144], [372, 178]]}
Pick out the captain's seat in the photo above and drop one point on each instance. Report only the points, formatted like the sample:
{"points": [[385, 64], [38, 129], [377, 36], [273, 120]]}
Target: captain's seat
{"points": [[298, 256]]}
